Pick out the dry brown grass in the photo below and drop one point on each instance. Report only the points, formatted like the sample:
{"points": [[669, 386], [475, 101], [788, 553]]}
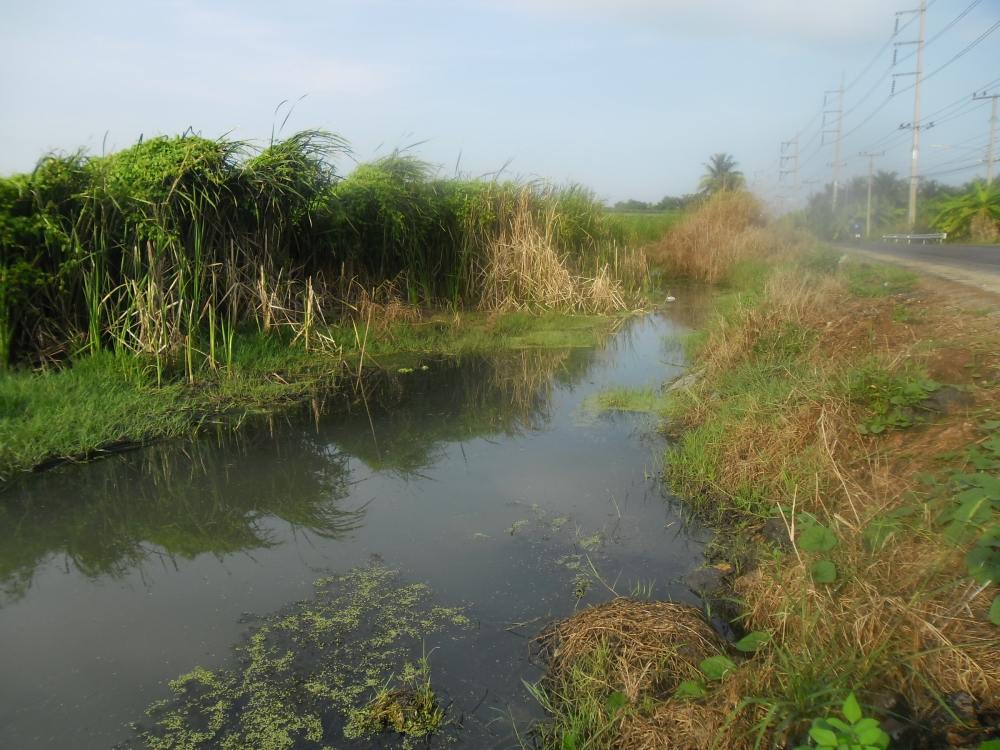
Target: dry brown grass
{"points": [[903, 625], [655, 645], [909, 608], [381, 306], [651, 647], [728, 228], [524, 270]]}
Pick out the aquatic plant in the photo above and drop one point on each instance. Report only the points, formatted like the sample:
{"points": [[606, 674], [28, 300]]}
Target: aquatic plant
{"points": [[410, 708], [313, 673]]}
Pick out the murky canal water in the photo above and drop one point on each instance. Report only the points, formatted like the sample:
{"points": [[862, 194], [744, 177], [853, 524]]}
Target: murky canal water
{"points": [[487, 478]]}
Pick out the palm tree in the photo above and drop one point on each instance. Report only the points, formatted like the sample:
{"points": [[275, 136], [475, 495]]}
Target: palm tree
{"points": [[975, 212], [721, 174], [889, 186]]}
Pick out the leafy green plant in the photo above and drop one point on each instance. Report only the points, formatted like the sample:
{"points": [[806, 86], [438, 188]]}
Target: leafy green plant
{"points": [[975, 213], [691, 689], [854, 732], [892, 399], [814, 536], [716, 667], [823, 571], [968, 511], [752, 642]]}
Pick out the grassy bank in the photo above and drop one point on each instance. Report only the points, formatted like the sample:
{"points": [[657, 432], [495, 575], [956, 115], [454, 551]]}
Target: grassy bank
{"points": [[178, 242], [842, 435], [646, 227], [107, 401], [181, 279]]}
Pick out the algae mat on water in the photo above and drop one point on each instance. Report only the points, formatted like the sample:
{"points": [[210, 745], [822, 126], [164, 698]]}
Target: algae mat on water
{"points": [[308, 676]]}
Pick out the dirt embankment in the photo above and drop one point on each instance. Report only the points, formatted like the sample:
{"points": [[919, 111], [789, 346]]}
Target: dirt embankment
{"points": [[844, 436]]}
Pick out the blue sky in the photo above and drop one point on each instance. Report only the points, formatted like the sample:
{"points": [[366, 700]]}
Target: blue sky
{"points": [[629, 97]]}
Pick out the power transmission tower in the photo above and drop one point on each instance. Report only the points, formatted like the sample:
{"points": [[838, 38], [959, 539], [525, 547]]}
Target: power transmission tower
{"points": [[991, 150], [871, 177], [837, 133], [788, 164], [911, 216]]}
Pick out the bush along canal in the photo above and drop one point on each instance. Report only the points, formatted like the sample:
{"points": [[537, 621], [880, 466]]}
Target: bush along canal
{"points": [[365, 571]]}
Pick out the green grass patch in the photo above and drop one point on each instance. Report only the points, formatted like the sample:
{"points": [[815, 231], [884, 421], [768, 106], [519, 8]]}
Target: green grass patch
{"points": [[645, 227], [869, 279], [638, 400], [890, 399], [105, 400], [475, 332]]}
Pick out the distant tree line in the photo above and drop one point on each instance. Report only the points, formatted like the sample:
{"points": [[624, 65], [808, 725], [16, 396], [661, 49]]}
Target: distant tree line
{"points": [[969, 211], [667, 203], [720, 174]]}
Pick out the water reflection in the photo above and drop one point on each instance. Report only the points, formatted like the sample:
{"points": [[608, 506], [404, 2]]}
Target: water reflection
{"points": [[474, 476], [168, 502], [401, 421], [214, 495]]}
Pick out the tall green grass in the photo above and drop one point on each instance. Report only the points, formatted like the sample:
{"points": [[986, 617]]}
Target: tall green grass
{"points": [[164, 248], [646, 227]]}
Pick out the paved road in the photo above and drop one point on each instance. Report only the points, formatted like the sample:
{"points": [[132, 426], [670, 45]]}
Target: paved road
{"points": [[967, 257]]}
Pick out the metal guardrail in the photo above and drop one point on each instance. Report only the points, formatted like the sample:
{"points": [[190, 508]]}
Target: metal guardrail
{"points": [[923, 239]]}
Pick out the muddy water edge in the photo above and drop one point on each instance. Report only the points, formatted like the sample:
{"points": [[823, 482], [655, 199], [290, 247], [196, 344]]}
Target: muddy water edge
{"points": [[448, 514]]}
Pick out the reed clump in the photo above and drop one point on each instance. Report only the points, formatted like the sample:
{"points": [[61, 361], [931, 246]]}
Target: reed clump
{"points": [[164, 249], [727, 228]]}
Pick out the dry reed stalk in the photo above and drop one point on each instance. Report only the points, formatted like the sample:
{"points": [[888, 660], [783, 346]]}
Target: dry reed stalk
{"points": [[727, 228], [523, 269]]}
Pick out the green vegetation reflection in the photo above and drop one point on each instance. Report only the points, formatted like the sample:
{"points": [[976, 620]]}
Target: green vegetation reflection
{"points": [[207, 498]]}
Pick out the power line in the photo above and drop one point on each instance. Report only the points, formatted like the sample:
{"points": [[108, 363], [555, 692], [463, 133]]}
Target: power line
{"points": [[972, 45], [881, 50], [956, 115], [937, 70], [955, 170], [956, 158], [953, 21], [962, 101], [947, 26]]}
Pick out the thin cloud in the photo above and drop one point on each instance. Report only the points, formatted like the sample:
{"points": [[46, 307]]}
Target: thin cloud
{"points": [[781, 20]]}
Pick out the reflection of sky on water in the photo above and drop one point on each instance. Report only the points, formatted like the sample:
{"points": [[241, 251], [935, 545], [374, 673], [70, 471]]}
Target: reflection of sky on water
{"points": [[120, 575]]}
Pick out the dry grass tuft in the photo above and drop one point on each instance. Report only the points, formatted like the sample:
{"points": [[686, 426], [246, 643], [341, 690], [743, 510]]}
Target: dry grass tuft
{"points": [[654, 645], [903, 620], [728, 228], [382, 306], [523, 269], [680, 724]]}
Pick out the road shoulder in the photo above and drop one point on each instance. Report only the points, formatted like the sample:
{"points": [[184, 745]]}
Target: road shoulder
{"points": [[981, 279]]}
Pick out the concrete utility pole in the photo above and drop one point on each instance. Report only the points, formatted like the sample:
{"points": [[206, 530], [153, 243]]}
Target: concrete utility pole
{"points": [[991, 150], [911, 216], [837, 133], [871, 177]]}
